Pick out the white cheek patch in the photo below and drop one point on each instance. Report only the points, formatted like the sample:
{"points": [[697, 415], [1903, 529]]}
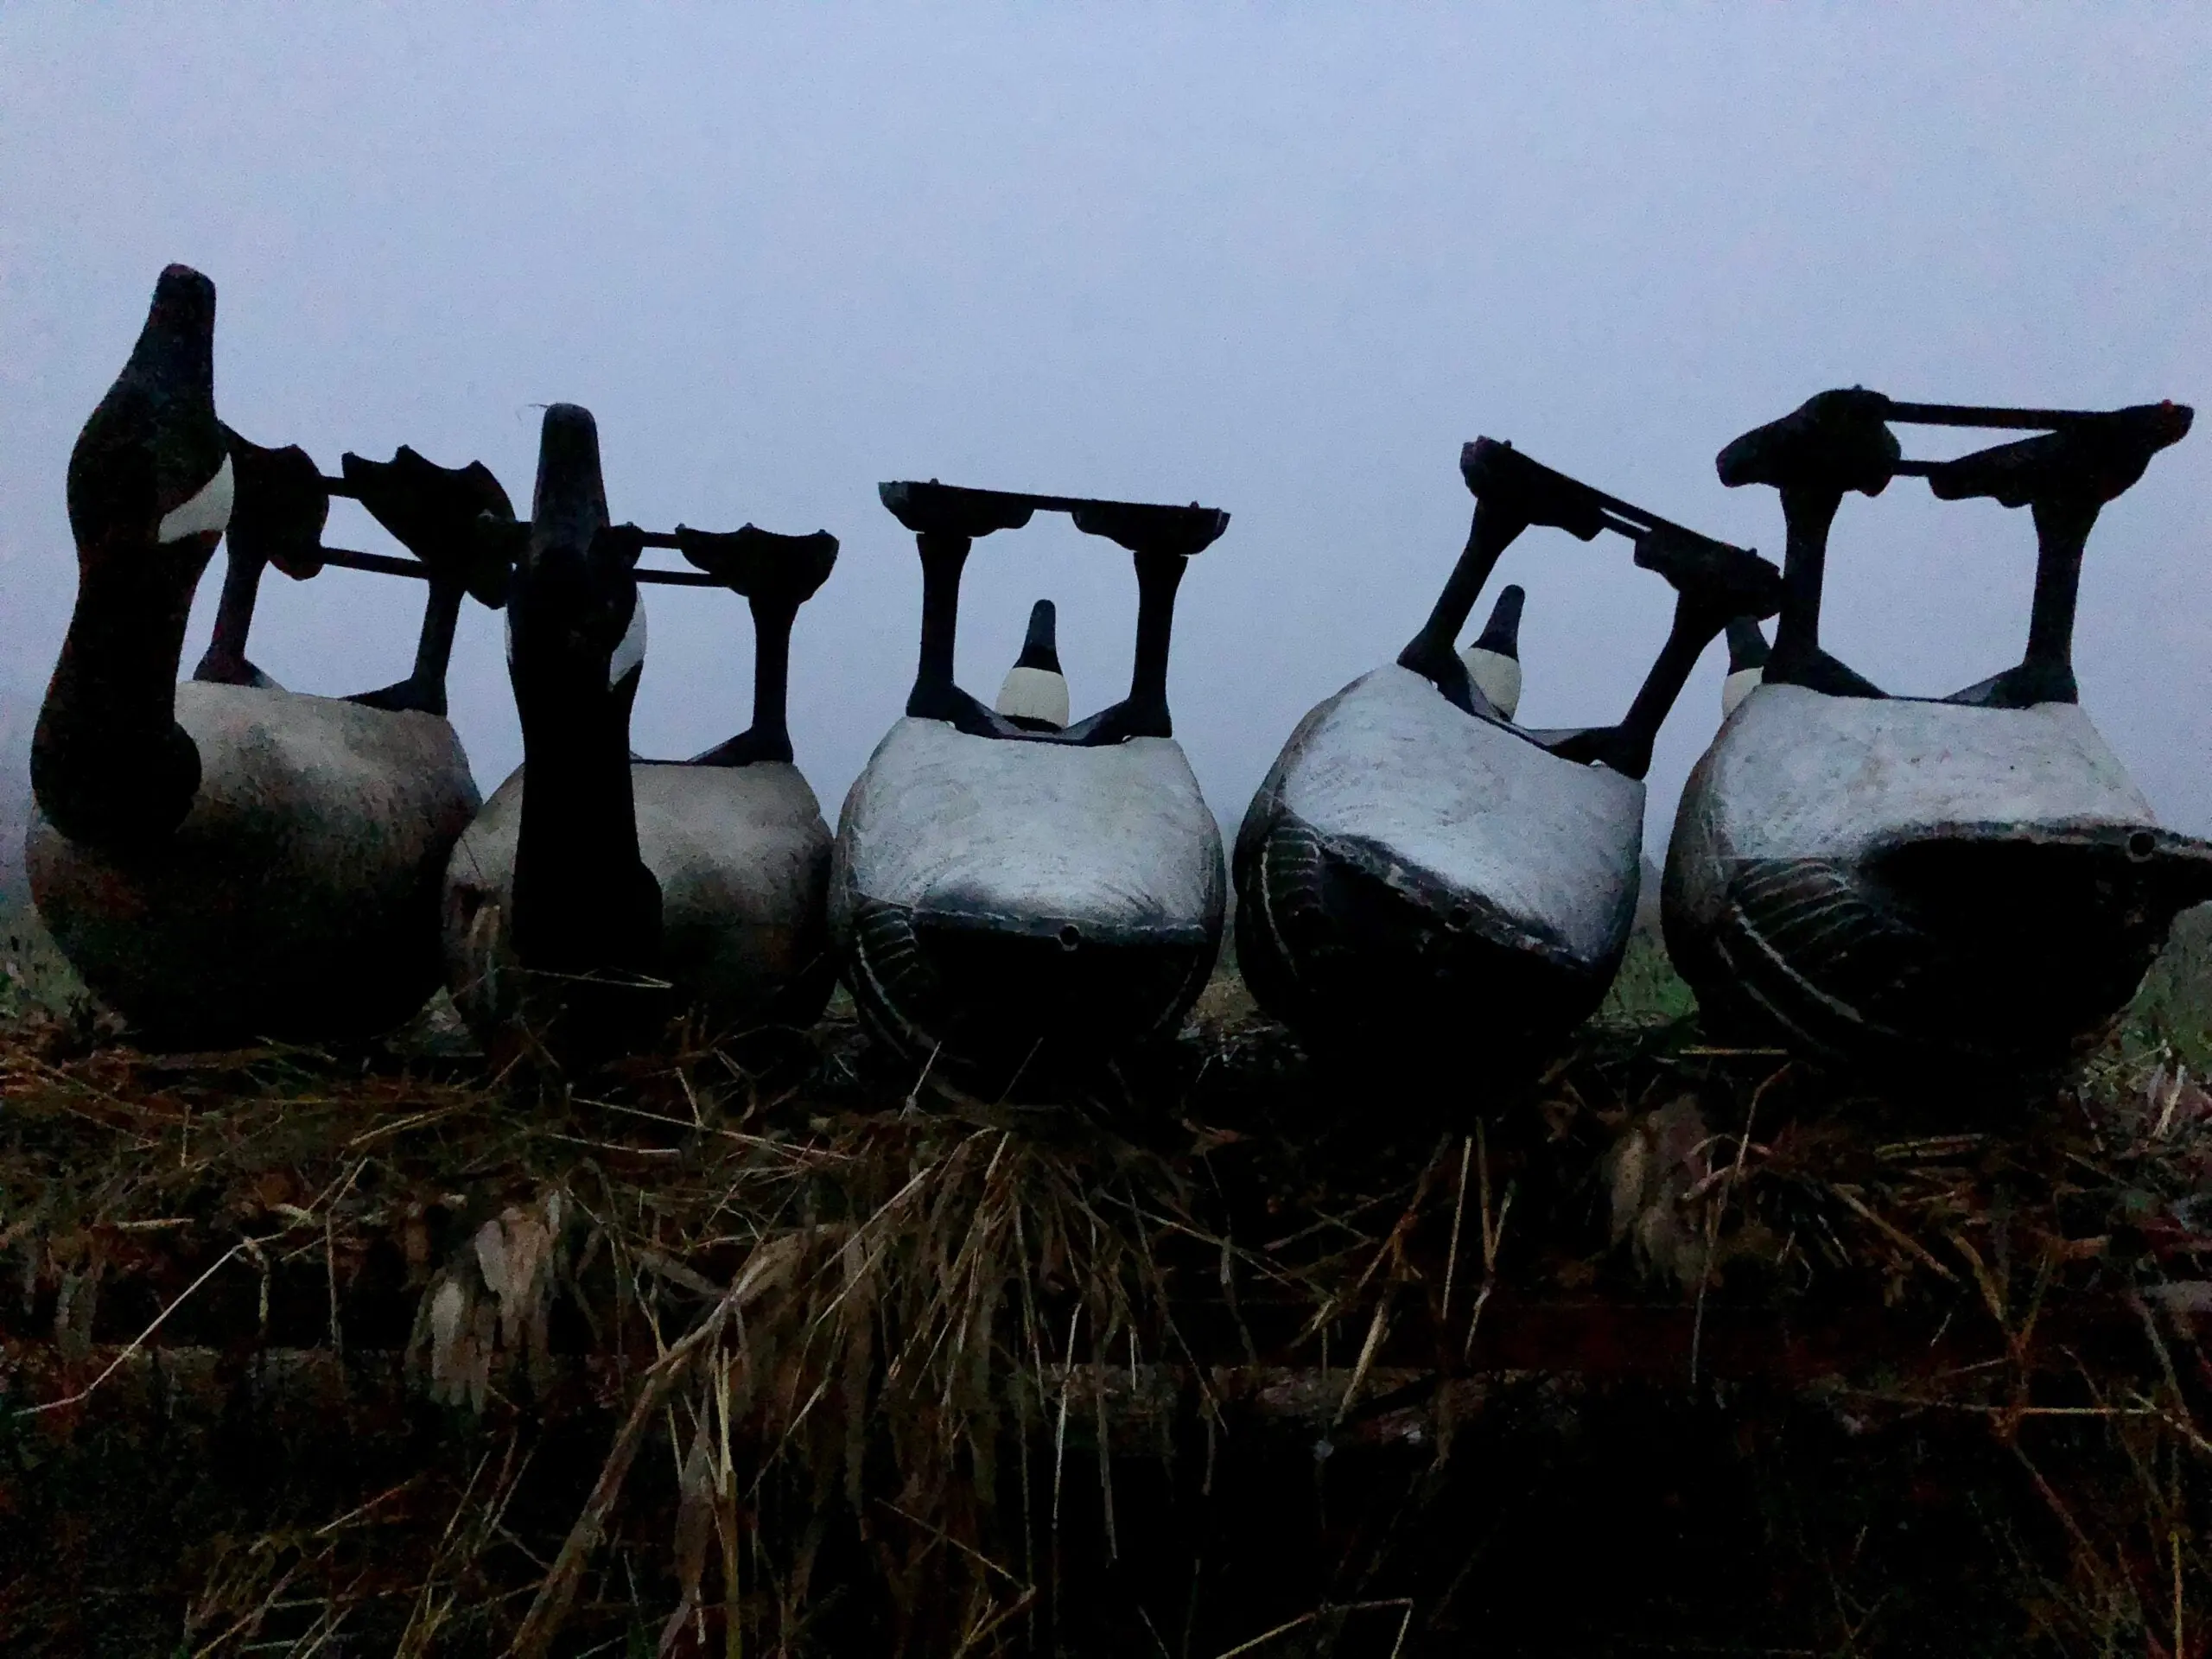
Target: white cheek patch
{"points": [[210, 509], [1496, 676], [1034, 694], [1737, 687], [510, 640], [631, 651]]}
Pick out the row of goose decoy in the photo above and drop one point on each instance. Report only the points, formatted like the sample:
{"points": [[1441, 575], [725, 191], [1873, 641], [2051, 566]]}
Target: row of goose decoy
{"points": [[1867, 878]]}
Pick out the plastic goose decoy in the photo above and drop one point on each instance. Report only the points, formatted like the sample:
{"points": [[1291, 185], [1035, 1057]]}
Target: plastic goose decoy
{"points": [[1893, 880], [1416, 868], [597, 895], [222, 860], [1747, 658], [1008, 894]]}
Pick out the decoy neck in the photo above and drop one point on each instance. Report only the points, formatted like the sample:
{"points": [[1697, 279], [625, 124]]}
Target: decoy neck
{"points": [[1035, 694], [149, 493], [583, 900], [1494, 660], [1747, 659]]}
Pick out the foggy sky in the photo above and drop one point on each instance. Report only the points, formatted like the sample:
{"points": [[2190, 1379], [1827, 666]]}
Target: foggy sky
{"points": [[1278, 261]]}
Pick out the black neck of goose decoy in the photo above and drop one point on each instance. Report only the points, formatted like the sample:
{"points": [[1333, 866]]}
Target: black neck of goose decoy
{"points": [[148, 496], [1747, 645], [282, 503], [583, 900]]}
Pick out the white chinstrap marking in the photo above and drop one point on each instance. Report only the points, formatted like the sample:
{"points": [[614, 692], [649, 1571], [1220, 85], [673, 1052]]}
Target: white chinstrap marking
{"points": [[208, 509], [1034, 694], [631, 651]]}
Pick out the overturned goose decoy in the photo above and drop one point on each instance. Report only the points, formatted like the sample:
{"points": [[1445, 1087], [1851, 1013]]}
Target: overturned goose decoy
{"points": [[1007, 895], [221, 860], [1416, 869], [1893, 881], [597, 895]]}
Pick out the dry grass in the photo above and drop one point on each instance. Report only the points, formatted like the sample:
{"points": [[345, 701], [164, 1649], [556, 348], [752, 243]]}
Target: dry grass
{"points": [[757, 1349]]}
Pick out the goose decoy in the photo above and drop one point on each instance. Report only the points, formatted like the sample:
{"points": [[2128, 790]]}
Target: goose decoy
{"points": [[1897, 881], [1747, 656], [1416, 868], [598, 894], [1034, 695], [221, 860], [1007, 895]]}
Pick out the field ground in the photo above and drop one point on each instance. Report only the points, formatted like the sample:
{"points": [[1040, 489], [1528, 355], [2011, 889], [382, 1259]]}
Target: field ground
{"points": [[766, 1348]]}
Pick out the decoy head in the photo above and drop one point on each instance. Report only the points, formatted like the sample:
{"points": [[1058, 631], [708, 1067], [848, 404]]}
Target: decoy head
{"points": [[150, 475], [1494, 660], [575, 624], [457, 520], [1747, 654], [1035, 694]]}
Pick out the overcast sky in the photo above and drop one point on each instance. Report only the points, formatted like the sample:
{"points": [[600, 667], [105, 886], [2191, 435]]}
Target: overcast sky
{"points": [[1281, 261]]}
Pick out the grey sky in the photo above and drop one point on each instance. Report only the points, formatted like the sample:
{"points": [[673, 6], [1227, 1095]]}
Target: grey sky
{"points": [[1280, 261]]}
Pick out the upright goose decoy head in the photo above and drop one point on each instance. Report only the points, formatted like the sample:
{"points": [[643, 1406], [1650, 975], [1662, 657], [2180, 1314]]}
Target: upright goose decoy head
{"points": [[151, 490], [598, 894], [1034, 695], [1012, 891], [1494, 660], [1415, 870], [221, 860], [1747, 658], [1907, 882]]}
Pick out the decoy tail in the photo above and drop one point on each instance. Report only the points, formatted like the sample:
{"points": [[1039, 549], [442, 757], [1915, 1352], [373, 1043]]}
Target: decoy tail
{"points": [[1035, 694], [1747, 658], [1493, 661]]}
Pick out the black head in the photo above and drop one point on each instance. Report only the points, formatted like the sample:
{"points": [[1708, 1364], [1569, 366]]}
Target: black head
{"points": [[149, 470], [575, 626]]}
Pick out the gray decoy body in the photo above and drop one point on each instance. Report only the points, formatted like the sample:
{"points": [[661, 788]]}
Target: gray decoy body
{"points": [[1008, 894], [1886, 880], [1416, 868], [597, 895], [220, 861]]}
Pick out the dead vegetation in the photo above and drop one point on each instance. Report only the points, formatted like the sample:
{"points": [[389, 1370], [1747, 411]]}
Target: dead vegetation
{"points": [[766, 1350]]}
